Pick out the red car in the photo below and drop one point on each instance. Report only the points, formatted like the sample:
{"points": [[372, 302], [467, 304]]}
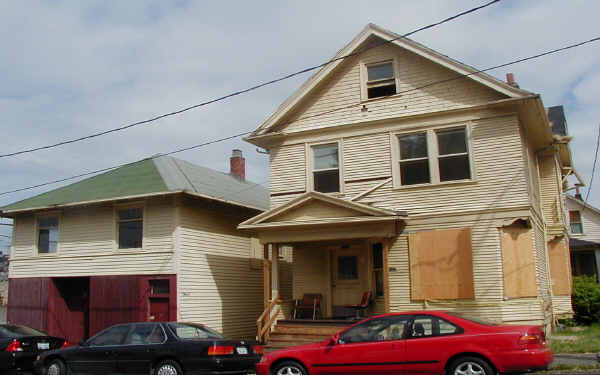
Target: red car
{"points": [[422, 342]]}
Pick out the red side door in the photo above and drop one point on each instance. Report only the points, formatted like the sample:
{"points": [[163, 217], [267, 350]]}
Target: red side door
{"points": [[159, 310]]}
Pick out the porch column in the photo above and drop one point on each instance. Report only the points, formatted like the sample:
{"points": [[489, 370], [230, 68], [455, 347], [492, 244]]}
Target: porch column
{"points": [[274, 270], [386, 274], [266, 276], [597, 253]]}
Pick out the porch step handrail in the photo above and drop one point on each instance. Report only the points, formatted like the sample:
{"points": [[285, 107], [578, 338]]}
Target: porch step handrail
{"points": [[264, 329]]}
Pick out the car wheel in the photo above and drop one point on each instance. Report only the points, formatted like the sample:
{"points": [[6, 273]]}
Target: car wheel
{"points": [[470, 366], [57, 367], [289, 368], [168, 368]]}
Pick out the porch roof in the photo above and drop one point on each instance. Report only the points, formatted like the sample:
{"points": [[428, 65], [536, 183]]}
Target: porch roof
{"points": [[314, 210]]}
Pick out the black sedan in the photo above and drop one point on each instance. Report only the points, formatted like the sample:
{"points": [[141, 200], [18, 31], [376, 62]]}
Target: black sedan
{"points": [[20, 345], [153, 348]]}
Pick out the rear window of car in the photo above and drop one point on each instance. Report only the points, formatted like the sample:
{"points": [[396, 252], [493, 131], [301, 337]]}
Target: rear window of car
{"points": [[472, 319], [19, 331], [194, 331]]}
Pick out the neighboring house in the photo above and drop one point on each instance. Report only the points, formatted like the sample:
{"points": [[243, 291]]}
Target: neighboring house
{"points": [[3, 286], [584, 231], [153, 240], [393, 174]]}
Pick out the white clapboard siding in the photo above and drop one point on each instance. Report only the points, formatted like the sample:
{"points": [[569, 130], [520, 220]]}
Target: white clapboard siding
{"points": [[87, 244], [549, 189], [288, 169], [217, 284], [534, 180], [590, 220], [495, 142], [367, 156], [487, 277], [343, 89]]}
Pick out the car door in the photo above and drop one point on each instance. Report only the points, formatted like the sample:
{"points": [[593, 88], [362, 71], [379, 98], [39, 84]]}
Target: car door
{"points": [[97, 355], [376, 346], [429, 343], [142, 345]]}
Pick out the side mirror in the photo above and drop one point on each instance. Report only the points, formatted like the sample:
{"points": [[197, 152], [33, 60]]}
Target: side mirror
{"points": [[333, 340], [81, 343]]}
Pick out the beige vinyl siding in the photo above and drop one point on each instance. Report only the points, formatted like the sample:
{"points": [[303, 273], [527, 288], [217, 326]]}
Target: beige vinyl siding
{"points": [[542, 269], [495, 141], [487, 274], [534, 179], [279, 200], [87, 244], [288, 169], [325, 106], [311, 274], [217, 285]]}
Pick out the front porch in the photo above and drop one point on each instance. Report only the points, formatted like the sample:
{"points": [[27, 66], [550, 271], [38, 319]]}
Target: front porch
{"points": [[323, 246]]}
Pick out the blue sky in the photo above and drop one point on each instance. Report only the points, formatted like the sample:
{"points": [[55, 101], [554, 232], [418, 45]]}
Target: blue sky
{"points": [[70, 68]]}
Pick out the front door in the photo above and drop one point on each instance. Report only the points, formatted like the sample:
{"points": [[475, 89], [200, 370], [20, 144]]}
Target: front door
{"points": [[159, 310], [350, 273]]}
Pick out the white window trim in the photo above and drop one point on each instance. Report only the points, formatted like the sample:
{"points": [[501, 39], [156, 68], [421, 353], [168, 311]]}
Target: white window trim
{"points": [[124, 206], [580, 222], [310, 164], [364, 95], [36, 233], [433, 156]]}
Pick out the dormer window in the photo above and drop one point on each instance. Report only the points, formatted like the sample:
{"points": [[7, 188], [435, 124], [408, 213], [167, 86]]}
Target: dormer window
{"points": [[381, 80]]}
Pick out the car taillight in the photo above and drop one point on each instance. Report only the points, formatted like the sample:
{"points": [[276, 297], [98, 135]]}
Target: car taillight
{"points": [[14, 346], [258, 349], [220, 350], [530, 340], [65, 344]]}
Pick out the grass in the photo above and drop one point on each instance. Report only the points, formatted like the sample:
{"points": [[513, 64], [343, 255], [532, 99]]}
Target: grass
{"points": [[588, 340]]}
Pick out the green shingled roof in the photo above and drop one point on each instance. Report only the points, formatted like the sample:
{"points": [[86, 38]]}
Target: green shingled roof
{"points": [[149, 176]]}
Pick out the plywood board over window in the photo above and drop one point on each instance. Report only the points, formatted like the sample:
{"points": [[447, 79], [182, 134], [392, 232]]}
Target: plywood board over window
{"points": [[441, 264], [518, 262], [560, 267]]}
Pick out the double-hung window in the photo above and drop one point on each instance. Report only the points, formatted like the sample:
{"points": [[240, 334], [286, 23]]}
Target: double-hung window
{"points": [[47, 235], [381, 80], [575, 220], [433, 156], [326, 168], [130, 225]]}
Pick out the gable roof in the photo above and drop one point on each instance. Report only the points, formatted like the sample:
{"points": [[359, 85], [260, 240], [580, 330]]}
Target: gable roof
{"points": [[373, 30], [147, 177], [583, 204], [361, 212]]}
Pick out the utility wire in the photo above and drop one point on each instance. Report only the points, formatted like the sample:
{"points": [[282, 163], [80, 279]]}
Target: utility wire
{"points": [[2, 235], [258, 86], [593, 170], [8, 225], [315, 115]]}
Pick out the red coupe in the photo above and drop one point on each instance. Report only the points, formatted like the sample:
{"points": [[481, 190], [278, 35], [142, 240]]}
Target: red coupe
{"points": [[422, 342]]}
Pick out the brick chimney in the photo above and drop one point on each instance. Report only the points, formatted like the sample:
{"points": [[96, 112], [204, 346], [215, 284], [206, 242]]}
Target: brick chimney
{"points": [[237, 165], [510, 79]]}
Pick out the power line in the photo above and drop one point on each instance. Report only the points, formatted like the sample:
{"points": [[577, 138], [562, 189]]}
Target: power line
{"points": [[2, 235], [236, 93], [593, 170], [310, 116]]}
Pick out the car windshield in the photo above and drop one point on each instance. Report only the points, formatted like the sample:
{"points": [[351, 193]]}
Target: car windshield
{"points": [[472, 319], [194, 331], [18, 331]]}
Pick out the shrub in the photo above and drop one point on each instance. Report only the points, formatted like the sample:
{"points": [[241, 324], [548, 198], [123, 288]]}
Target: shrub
{"points": [[586, 299]]}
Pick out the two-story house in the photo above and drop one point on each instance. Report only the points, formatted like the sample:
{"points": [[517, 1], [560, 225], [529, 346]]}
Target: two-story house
{"points": [[403, 172], [584, 232], [152, 240]]}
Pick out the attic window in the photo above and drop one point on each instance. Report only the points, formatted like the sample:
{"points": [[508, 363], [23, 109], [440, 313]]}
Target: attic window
{"points": [[380, 80]]}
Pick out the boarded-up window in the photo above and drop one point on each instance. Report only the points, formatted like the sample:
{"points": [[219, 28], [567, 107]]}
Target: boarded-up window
{"points": [[560, 269], [518, 262], [441, 264]]}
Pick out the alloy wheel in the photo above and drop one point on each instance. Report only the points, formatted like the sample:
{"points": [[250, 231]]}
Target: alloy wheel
{"points": [[54, 369], [167, 369], [469, 368], [289, 370]]}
